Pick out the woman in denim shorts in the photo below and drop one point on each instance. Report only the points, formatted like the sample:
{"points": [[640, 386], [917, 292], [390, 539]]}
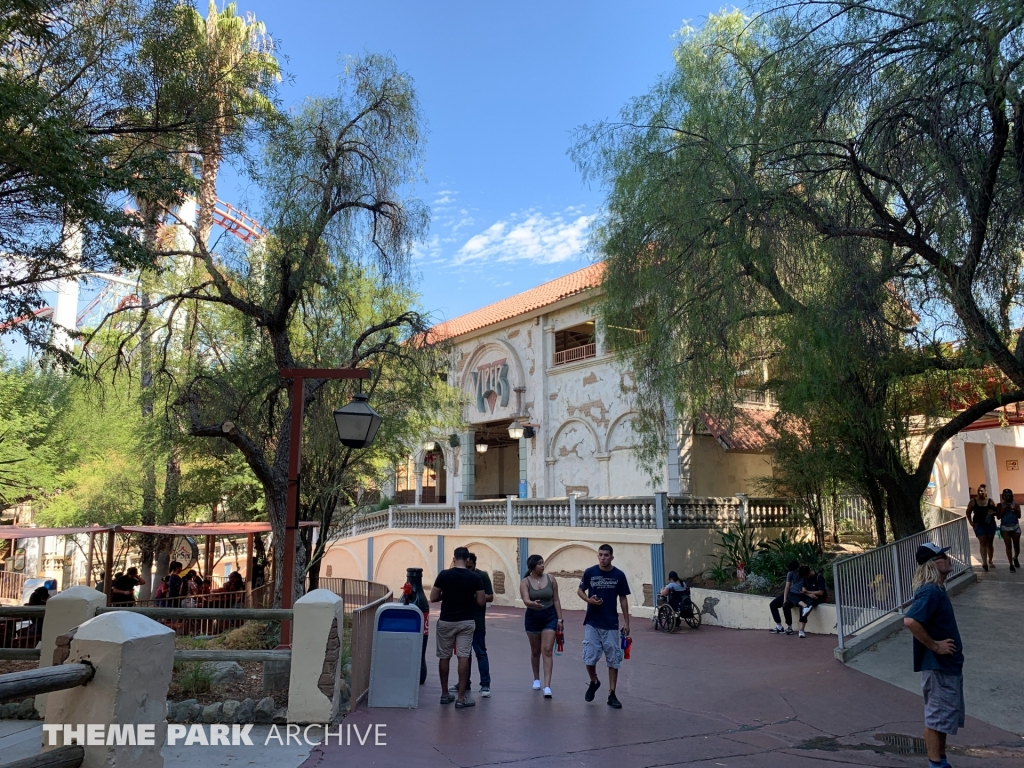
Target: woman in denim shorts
{"points": [[539, 592]]}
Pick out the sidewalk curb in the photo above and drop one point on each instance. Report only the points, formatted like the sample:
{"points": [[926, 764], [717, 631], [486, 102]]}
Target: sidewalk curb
{"points": [[890, 625]]}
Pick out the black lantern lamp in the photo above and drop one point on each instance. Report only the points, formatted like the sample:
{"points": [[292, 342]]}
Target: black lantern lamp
{"points": [[357, 422]]}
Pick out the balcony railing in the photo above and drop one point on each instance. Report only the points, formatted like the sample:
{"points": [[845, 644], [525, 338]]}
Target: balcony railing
{"points": [[576, 353], [655, 511]]}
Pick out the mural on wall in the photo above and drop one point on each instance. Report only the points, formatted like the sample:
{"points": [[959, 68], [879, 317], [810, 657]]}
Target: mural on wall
{"points": [[490, 382]]}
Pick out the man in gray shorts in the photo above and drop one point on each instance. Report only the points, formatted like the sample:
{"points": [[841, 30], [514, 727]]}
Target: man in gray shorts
{"points": [[460, 592], [601, 585], [938, 653]]}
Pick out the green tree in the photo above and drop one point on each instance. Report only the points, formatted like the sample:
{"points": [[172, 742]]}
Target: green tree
{"points": [[75, 146], [337, 213], [710, 253]]}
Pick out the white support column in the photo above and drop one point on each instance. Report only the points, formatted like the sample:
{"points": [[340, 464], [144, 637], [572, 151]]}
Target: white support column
{"points": [[988, 456], [65, 311], [418, 498], [133, 657], [64, 612], [313, 691]]}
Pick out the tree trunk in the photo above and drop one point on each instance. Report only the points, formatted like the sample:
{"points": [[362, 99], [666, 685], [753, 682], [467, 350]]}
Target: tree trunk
{"points": [[209, 167], [904, 506], [877, 497]]}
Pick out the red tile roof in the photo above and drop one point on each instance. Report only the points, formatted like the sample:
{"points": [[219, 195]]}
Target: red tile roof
{"points": [[580, 281], [750, 430]]}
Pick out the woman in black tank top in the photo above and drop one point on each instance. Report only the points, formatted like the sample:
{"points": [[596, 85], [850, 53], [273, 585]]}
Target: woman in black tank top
{"points": [[539, 592]]}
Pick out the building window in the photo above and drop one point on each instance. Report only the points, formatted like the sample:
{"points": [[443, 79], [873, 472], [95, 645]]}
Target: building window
{"points": [[575, 343]]}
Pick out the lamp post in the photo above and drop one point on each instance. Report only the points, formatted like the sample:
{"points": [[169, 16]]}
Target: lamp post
{"points": [[357, 425]]}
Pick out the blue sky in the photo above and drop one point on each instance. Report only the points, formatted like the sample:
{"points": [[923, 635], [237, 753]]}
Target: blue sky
{"points": [[502, 87]]}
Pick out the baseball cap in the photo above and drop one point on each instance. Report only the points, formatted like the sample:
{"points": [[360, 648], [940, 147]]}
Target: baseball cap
{"points": [[929, 551]]}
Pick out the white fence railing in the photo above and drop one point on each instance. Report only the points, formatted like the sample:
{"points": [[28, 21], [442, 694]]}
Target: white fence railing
{"points": [[876, 583], [638, 512]]}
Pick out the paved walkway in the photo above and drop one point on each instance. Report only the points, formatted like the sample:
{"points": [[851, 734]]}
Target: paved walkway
{"points": [[712, 697], [990, 615]]}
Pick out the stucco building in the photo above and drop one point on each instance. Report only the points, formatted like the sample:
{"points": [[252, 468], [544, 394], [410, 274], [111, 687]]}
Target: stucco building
{"points": [[539, 359]]}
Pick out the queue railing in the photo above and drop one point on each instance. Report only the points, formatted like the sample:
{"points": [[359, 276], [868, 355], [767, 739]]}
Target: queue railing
{"points": [[876, 583]]}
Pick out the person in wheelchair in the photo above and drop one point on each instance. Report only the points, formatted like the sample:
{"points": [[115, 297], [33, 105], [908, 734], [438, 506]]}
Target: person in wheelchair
{"points": [[675, 591], [675, 606]]}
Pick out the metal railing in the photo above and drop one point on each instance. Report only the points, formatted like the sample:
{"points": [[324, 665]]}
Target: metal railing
{"points": [[361, 644], [12, 586], [582, 352], [355, 593], [876, 583]]}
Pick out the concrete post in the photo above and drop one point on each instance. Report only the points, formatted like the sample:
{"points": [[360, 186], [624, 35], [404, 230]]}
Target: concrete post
{"points": [[458, 507], [313, 690], [508, 509], [660, 510], [64, 612], [133, 657], [572, 510]]}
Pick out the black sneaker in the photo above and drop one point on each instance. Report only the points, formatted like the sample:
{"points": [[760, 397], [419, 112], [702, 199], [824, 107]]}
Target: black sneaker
{"points": [[789, 630], [1016, 562], [613, 702], [777, 631], [985, 567], [591, 690], [1012, 569]]}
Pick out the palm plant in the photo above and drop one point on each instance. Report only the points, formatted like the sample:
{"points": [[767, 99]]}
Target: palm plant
{"points": [[239, 69]]}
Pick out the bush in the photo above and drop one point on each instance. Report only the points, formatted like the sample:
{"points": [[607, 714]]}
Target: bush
{"points": [[756, 584], [740, 546], [194, 679], [773, 556]]}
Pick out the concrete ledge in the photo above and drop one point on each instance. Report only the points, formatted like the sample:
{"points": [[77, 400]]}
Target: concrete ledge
{"points": [[736, 610], [889, 625]]}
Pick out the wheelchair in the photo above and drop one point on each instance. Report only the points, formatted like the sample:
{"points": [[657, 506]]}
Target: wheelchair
{"points": [[673, 610]]}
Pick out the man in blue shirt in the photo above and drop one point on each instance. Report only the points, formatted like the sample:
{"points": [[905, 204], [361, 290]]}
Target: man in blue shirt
{"points": [[938, 653], [601, 585]]}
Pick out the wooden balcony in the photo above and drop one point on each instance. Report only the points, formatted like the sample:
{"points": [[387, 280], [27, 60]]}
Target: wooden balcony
{"points": [[576, 353]]}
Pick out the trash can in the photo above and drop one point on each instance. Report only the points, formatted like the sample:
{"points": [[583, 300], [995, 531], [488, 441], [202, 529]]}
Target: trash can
{"points": [[397, 651]]}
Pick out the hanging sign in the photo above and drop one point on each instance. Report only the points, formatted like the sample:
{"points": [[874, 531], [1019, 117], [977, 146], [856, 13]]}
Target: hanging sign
{"points": [[185, 551]]}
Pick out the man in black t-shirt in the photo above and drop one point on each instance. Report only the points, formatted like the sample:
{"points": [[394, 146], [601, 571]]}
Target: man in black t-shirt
{"points": [[123, 588], [460, 592]]}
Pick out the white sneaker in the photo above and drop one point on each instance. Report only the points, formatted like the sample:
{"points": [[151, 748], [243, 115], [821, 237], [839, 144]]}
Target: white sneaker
{"points": [[485, 691], [802, 633], [805, 611], [547, 693], [536, 685]]}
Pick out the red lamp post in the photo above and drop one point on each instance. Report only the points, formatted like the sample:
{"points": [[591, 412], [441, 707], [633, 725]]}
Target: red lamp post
{"points": [[350, 419]]}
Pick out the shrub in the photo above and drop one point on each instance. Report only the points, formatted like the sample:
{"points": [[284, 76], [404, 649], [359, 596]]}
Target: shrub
{"points": [[739, 544], [194, 679]]}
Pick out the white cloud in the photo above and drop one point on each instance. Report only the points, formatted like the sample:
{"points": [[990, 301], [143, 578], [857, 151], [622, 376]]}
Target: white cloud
{"points": [[530, 236]]}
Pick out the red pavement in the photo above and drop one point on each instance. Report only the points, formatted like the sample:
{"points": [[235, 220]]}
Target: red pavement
{"points": [[710, 697]]}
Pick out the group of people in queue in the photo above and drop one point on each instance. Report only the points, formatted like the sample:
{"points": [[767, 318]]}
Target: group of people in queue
{"points": [[176, 589], [464, 592], [988, 519]]}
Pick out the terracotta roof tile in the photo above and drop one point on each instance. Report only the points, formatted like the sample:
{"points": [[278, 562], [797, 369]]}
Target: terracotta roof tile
{"points": [[580, 281], [750, 430]]}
